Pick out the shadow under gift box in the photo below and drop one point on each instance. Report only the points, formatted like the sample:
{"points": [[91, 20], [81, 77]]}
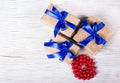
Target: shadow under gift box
{"points": [[59, 39], [51, 21], [92, 47]]}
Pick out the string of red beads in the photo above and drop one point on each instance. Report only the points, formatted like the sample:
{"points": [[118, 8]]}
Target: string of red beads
{"points": [[83, 67]]}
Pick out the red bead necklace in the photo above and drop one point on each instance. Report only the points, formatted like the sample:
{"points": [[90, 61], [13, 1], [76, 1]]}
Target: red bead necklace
{"points": [[83, 67]]}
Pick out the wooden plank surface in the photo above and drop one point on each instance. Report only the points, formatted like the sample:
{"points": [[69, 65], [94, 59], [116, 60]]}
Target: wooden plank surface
{"points": [[22, 34]]}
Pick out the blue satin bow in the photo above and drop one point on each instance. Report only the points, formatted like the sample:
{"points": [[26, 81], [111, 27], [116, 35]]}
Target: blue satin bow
{"points": [[60, 16], [63, 47], [92, 30]]}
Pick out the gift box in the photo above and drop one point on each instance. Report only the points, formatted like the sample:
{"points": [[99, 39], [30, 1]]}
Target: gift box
{"points": [[92, 35], [66, 53], [61, 21]]}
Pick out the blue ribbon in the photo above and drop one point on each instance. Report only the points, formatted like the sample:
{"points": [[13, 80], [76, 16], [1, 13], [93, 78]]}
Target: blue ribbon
{"points": [[60, 16], [63, 47], [92, 30]]}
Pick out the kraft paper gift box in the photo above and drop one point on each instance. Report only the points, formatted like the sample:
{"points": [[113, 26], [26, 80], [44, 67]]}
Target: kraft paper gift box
{"points": [[92, 47], [62, 22], [60, 39]]}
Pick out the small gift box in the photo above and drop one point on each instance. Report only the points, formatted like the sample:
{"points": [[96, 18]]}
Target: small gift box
{"points": [[62, 48], [62, 21], [92, 35]]}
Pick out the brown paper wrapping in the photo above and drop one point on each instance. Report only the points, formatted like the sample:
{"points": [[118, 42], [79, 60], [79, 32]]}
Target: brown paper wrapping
{"points": [[92, 47], [52, 21], [74, 48]]}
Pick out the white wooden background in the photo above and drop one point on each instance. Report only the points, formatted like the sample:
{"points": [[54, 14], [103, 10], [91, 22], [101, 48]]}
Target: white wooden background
{"points": [[22, 55]]}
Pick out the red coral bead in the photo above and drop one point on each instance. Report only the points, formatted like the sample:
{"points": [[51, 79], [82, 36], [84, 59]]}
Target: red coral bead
{"points": [[79, 78]]}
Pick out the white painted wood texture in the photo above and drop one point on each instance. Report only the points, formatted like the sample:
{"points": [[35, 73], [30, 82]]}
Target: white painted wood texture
{"points": [[22, 55]]}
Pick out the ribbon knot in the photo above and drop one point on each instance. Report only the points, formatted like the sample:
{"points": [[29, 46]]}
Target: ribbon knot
{"points": [[63, 47], [60, 16], [92, 30]]}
